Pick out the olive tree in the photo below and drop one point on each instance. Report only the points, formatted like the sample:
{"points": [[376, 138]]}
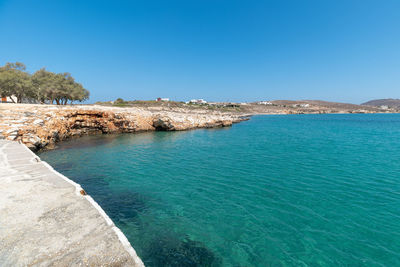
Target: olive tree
{"points": [[15, 81], [59, 88], [43, 86]]}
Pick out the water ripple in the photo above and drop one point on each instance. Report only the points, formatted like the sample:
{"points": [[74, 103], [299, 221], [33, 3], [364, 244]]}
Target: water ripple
{"points": [[301, 190]]}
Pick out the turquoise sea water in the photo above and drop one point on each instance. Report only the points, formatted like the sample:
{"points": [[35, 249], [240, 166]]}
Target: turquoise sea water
{"points": [[284, 190]]}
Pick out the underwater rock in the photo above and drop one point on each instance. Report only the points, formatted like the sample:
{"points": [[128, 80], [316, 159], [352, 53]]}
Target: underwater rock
{"points": [[169, 251], [123, 206]]}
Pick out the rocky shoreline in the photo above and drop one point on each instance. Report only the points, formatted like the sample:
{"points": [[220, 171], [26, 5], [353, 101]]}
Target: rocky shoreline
{"points": [[42, 126]]}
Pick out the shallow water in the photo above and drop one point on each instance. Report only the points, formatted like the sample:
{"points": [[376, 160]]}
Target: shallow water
{"points": [[284, 190]]}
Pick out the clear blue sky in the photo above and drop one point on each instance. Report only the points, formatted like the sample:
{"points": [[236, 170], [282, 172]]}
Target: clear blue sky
{"points": [[217, 50]]}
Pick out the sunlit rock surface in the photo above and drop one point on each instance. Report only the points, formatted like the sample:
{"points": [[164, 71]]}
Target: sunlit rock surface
{"points": [[40, 126]]}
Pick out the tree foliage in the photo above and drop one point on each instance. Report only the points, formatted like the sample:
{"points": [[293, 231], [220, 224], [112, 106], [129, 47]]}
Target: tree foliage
{"points": [[15, 81], [43, 86]]}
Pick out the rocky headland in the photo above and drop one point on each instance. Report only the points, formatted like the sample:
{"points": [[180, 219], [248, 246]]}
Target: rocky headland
{"points": [[42, 126]]}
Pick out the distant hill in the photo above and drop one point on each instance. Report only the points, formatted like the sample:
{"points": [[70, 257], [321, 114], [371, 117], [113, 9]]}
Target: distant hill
{"points": [[308, 107], [393, 103]]}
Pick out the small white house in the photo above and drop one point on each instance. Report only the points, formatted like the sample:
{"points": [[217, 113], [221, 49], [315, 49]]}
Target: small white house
{"points": [[9, 99], [264, 103], [384, 107], [162, 99], [304, 105], [197, 101]]}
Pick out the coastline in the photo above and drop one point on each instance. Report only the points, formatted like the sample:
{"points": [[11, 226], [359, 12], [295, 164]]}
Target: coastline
{"points": [[162, 149], [102, 242], [39, 127], [30, 128], [42, 126]]}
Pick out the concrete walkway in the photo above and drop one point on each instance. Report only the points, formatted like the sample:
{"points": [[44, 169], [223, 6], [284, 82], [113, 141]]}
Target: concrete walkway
{"points": [[46, 221]]}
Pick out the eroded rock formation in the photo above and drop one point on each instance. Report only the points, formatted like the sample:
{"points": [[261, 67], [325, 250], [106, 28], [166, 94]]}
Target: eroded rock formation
{"points": [[40, 126]]}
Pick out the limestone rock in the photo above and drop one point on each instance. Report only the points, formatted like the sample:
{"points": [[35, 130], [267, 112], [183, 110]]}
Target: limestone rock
{"points": [[163, 124], [11, 137], [38, 122], [52, 124], [12, 131]]}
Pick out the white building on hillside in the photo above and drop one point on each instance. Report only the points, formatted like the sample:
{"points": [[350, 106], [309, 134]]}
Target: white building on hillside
{"points": [[9, 99], [14, 99], [264, 103], [197, 101], [162, 99]]}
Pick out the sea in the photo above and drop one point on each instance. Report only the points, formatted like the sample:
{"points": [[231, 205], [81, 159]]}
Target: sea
{"points": [[277, 190]]}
